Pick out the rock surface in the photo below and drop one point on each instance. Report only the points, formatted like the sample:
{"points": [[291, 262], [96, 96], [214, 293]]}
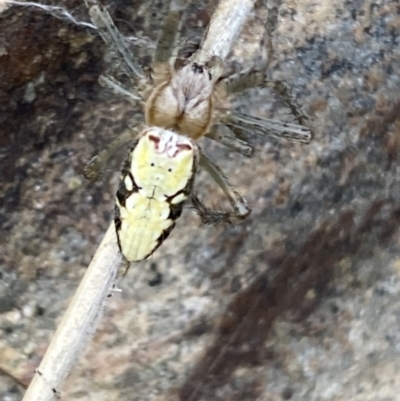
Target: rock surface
{"points": [[300, 302]]}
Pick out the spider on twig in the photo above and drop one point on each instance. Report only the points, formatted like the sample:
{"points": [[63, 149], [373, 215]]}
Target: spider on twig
{"points": [[184, 99]]}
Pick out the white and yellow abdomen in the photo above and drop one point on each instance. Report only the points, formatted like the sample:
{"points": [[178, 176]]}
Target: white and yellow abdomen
{"points": [[156, 180]]}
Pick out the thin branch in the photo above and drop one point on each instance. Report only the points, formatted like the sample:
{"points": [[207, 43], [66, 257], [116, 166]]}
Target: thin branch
{"points": [[83, 313], [78, 323], [225, 26]]}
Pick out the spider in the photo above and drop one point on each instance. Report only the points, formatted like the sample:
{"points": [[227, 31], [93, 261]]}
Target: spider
{"points": [[184, 99]]}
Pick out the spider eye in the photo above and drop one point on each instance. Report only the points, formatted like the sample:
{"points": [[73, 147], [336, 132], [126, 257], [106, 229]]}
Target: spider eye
{"points": [[197, 68], [170, 170], [152, 164]]}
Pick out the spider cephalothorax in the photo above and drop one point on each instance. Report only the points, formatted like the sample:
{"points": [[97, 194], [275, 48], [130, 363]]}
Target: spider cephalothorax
{"points": [[183, 99]]}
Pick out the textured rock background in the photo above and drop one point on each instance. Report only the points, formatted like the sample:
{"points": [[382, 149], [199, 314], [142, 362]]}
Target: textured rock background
{"points": [[301, 302]]}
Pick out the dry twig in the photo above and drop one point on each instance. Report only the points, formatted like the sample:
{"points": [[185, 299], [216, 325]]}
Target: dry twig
{"points": [[78, 323]]}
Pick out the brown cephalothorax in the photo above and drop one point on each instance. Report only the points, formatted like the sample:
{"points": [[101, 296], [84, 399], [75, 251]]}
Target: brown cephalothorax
{"points": [[183, 101]]}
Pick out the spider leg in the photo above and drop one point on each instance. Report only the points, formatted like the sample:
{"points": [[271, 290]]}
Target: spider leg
{"points": [[112, 37], [107, 81], [286, 94], [270, 26], [243, 80], [228, 137], [94, 168], [257, 77], [277, 129], [169, 31], [209, 216], [251, 78]]}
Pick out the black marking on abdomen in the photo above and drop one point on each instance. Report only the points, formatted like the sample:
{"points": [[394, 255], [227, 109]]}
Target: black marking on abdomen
{"points": [[123, 193]]}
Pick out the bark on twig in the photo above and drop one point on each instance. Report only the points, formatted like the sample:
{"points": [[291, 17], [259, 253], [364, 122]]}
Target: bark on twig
{"points": [[225, 26], [78, 323], [80, 320]]}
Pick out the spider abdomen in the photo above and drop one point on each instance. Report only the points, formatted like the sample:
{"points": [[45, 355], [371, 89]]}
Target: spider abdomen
{"points": [[155, 182]]}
